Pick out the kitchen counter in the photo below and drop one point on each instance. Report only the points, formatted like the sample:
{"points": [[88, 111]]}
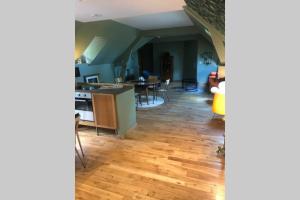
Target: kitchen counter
{"points": [[113, 108], [114, 91]]}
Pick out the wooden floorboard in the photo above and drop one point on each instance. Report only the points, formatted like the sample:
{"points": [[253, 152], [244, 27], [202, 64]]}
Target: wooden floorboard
{"points": [[169, 155]]}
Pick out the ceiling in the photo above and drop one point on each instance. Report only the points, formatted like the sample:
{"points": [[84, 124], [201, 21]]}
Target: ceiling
{"points": [[158, 20], [141, 14]]}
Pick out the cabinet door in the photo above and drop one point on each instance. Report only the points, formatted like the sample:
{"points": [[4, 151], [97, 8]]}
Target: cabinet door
{"points": [[104, 111]]}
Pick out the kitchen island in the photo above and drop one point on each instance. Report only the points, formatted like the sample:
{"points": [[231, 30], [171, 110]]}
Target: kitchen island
{"points": [[113, 107]]}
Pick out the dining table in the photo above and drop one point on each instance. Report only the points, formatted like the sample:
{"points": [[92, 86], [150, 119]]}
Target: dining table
{"points": [[153, 84]]}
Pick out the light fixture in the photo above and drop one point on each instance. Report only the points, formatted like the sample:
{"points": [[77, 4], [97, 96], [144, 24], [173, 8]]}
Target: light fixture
{"points": [[97, 15], [207, 32]]}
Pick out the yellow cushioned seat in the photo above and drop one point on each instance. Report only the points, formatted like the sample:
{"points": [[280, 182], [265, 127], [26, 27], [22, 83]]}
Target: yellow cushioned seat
{"points": [[218, 106]]}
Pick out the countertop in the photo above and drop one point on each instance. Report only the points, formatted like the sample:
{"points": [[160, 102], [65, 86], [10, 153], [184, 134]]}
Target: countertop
{"points": [[114, 91]]}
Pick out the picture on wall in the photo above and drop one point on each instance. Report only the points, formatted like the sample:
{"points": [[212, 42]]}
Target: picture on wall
{"points": [[93, 78]]}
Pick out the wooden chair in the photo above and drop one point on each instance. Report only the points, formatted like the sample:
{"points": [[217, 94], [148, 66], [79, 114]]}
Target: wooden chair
{"points": [[141, 90], [164, 90], [82, 156], [118, 80], [138, 99], [152, 78], [153, 87]]}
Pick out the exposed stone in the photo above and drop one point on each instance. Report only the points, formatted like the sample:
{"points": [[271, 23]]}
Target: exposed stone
{"points": [[213, 11]]}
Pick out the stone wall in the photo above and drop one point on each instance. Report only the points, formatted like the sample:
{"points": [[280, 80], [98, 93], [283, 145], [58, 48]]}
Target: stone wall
{"points": [[213, 11]]}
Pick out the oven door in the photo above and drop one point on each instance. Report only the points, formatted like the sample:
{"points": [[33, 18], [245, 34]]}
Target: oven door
{"points": [[83, 104], [85, 108]]}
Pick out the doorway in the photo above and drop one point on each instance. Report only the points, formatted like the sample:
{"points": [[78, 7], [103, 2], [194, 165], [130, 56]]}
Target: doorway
{"points": [[166, 66], [145, 55]]}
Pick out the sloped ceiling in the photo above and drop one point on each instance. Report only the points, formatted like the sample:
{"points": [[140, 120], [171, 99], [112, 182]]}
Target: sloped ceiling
{"points": [[96, 10], [140, 14], [106, 33], [213, 11], [101, 41], [171, 19]]}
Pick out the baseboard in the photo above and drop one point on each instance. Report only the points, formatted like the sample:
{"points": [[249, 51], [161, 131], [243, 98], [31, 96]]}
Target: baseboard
{"points": [[202, 85]]}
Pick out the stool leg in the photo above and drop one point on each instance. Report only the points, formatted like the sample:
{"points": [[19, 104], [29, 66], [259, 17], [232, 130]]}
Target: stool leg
{"points": [[79, 142], [213, 116], [81, 160]]}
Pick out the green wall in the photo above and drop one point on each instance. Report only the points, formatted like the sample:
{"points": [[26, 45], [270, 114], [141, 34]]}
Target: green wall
{"points": [[185, 58], [133, 65], [132, 68], [106, 72], [107, 41], [176, 49], [190, 59], [113, 36], [117, 38], [188, 62], [204, 70]]}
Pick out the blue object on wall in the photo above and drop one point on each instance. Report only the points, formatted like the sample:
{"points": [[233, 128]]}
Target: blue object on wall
{"points": [[146, 74]]}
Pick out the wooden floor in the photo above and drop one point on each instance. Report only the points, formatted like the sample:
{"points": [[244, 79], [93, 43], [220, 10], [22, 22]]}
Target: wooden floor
{"points": [[170, 155]]}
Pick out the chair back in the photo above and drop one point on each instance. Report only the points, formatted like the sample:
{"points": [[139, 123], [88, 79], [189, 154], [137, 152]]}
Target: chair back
{"points": [[152, 78], [118, 80], [167, 84], [167, 81]]}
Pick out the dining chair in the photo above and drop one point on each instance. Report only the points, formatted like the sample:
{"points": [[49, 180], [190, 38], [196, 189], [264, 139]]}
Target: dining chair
{"points": [[82, 156], [140, 91], [164, 90], [152, 78], [138, 99], [118, 80], [153, 87]]}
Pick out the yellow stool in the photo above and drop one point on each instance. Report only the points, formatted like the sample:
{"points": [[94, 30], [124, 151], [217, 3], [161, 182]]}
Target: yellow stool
{"points": [[218, 106]]}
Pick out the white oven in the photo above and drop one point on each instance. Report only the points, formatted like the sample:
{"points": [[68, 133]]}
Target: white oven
{"points": [[84, 105]]}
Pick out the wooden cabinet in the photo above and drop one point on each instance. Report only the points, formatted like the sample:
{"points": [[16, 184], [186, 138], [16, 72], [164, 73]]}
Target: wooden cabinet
{"points": [[104, 107], [113, 109]]}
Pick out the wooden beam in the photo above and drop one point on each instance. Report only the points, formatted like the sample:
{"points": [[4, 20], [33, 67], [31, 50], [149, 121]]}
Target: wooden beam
{"points": [[216, 37]]}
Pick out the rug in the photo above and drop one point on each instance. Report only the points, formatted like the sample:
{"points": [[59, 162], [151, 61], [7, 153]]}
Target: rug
{"points": [[157, 102], [192, 90]]}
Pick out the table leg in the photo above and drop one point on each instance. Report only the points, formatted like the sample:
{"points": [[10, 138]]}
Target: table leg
{"points": [[153, 93], [147, 94], [140, 99]]}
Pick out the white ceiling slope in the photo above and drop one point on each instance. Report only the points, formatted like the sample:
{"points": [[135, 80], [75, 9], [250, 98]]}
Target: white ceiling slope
{"points": [[158, 20], [113, 9], [142, 14]]}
